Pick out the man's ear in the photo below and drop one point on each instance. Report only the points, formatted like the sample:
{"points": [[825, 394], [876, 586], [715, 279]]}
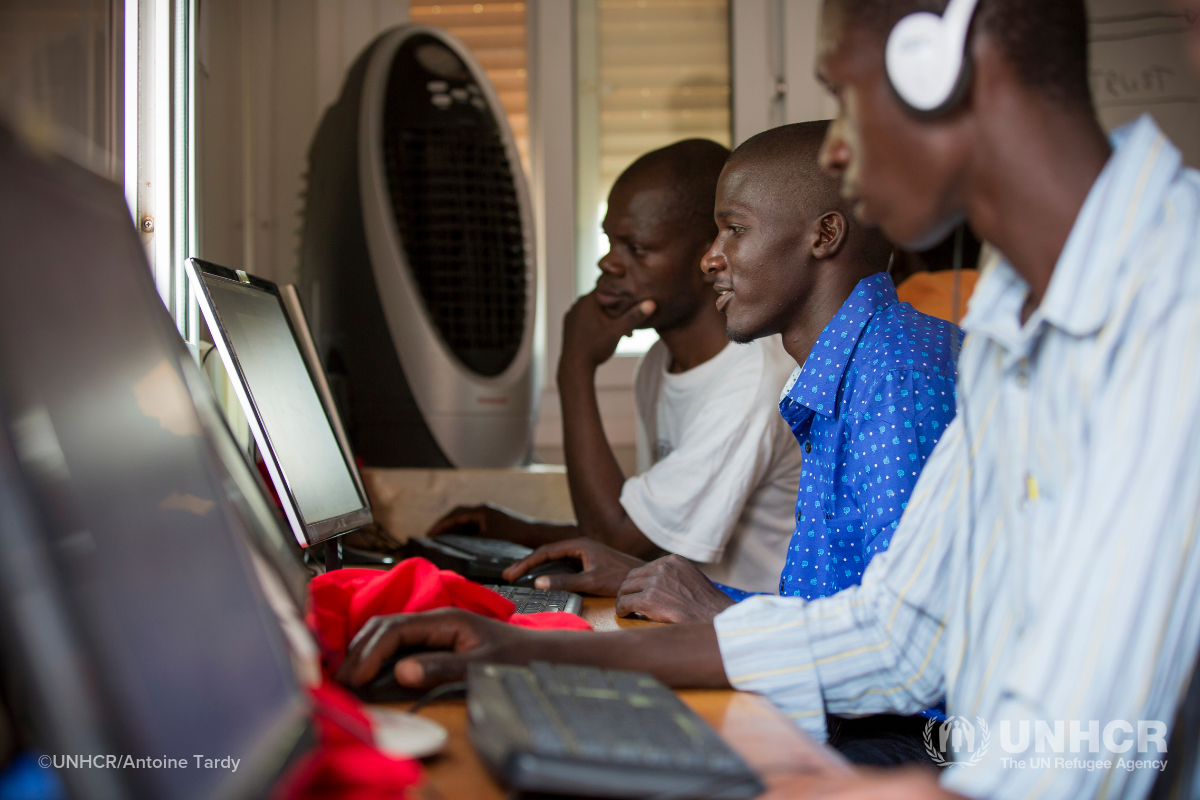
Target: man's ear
{"points": [[829, 234]]}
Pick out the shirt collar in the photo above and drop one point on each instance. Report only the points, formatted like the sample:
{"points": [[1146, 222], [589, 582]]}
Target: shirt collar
{"points": [[1082, 293], [815, 384]]}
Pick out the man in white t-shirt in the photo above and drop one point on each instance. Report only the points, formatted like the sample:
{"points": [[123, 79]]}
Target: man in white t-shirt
{"points": [[717, 466], [717, 475]]}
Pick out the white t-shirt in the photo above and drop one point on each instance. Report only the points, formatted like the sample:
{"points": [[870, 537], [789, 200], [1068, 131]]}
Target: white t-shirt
{"points": [[718, 468]]}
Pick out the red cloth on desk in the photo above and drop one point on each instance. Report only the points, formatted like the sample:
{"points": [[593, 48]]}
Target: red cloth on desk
{"points": [[347, 765], [341, 602]]}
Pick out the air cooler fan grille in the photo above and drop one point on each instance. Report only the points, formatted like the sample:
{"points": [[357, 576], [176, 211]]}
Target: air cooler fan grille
{"points": [[456, 208]]}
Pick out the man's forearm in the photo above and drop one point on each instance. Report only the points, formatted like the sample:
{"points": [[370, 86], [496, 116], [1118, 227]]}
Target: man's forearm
{"points": [[593, 473], [683, 656]]}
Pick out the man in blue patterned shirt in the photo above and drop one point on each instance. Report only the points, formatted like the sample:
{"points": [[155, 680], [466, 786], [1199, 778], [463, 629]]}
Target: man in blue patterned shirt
{"points": [[868, 406], [873, 397], [874, 394]]}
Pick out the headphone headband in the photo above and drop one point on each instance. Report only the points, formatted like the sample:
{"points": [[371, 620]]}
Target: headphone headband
{"points": [[957, 19]]}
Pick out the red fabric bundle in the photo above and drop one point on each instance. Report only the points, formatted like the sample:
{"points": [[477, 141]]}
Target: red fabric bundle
{"points": [[347, 765], [342, 601]]}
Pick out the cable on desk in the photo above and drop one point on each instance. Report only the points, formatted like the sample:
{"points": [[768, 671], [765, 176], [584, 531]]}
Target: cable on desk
{"points": [[440, 693]]}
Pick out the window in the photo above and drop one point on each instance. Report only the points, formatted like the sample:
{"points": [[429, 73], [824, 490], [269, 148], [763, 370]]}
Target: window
{"points": [[495, 35], [650, 73]]}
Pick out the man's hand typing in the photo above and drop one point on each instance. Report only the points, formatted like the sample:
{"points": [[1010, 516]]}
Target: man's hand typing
{"points": [[671, 589], [604, 569]]}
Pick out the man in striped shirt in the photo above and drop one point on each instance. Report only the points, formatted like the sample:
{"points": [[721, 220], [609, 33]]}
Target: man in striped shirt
{"points": [[1046, 574]]}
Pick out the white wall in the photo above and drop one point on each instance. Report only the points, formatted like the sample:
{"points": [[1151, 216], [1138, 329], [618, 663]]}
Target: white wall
{"points": [[774, 57], [268, 70]]}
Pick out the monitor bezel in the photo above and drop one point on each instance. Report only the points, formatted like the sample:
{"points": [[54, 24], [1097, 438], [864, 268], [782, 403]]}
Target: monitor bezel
{"points": [[307, 532]]}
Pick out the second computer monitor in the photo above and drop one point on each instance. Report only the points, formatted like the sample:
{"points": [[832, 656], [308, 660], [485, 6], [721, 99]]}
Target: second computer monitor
{"points": [[296, 432]]}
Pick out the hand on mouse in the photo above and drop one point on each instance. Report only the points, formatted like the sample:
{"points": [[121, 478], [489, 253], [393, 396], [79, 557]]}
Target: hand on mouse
{"points": [[671, 589], [604, 569], [454, 638]]}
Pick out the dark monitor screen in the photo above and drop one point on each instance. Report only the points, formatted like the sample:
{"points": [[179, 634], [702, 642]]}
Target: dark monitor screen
{"points": [[293, 428], [142, 614]]}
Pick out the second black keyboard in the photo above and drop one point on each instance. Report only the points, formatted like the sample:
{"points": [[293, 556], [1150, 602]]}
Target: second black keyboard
{"points": [[531, 601]]}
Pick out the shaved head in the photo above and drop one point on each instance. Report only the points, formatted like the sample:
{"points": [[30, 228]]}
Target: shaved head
{"points": [[789, 250], [786, 159], [688, 171]]}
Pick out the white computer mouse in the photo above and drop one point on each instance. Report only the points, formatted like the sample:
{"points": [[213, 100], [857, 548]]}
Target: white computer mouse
{"points": [[401, 734]]}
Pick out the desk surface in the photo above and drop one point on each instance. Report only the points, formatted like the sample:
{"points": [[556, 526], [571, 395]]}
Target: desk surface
{"points": [[788, 761]]}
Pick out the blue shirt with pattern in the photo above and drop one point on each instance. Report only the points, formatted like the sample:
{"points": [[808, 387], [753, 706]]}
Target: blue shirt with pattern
{"points": [[867, 407]]}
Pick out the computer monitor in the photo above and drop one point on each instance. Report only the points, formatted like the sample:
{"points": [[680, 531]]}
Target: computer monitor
{"points": [[296, 428], [132, 622]]}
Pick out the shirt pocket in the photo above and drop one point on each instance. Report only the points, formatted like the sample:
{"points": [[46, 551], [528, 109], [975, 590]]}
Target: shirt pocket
{"points": [[847, 561]]}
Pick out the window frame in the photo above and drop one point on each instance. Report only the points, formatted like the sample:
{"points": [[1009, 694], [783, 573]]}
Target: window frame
{"points": [[159, 146]]}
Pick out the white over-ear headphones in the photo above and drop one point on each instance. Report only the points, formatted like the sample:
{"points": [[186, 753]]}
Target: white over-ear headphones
{"points": [[927, 59]]}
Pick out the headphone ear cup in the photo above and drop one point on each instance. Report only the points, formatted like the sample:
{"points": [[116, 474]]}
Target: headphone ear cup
{"points": [[966, 71], [924, 68]]}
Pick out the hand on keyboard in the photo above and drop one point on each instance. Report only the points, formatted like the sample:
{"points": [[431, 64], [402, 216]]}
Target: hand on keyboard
{"points": [[453, 637], [488, 521], [604, 569], [671, 589]]}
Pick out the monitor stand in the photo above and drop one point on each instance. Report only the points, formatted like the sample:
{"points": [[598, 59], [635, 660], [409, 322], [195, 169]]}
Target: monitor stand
{"points": [[333, 554], [336, 555]]}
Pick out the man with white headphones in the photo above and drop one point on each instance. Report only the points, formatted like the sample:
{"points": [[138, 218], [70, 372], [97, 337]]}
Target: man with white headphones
{"points": [[1046, 574]]}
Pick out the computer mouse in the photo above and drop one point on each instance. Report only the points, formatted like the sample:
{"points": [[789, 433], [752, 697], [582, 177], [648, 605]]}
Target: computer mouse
{"points": [[403, 735], [383, 688], [565, 567]]}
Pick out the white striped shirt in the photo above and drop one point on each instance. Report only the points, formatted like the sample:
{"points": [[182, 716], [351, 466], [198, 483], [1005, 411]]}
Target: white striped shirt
{"points": [[1064, 582]]}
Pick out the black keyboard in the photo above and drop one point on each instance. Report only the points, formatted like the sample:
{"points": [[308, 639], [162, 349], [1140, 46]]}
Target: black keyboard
{"points": [[531, 601], [561, 729], [476, 558], [496, 549]]}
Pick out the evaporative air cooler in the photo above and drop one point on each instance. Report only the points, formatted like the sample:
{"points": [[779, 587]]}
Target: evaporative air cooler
{"points": [[417, 262]]}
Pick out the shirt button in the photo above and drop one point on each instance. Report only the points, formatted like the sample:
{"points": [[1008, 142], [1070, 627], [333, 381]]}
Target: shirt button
{"points": [[1023, 372], [808, 447]]}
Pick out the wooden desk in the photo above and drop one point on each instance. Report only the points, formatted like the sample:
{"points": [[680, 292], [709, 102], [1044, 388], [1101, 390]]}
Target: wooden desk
{"points": [[788, 761]]}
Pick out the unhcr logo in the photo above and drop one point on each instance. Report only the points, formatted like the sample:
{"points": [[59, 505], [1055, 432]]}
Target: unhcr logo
{"points": [[957, 741]]}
